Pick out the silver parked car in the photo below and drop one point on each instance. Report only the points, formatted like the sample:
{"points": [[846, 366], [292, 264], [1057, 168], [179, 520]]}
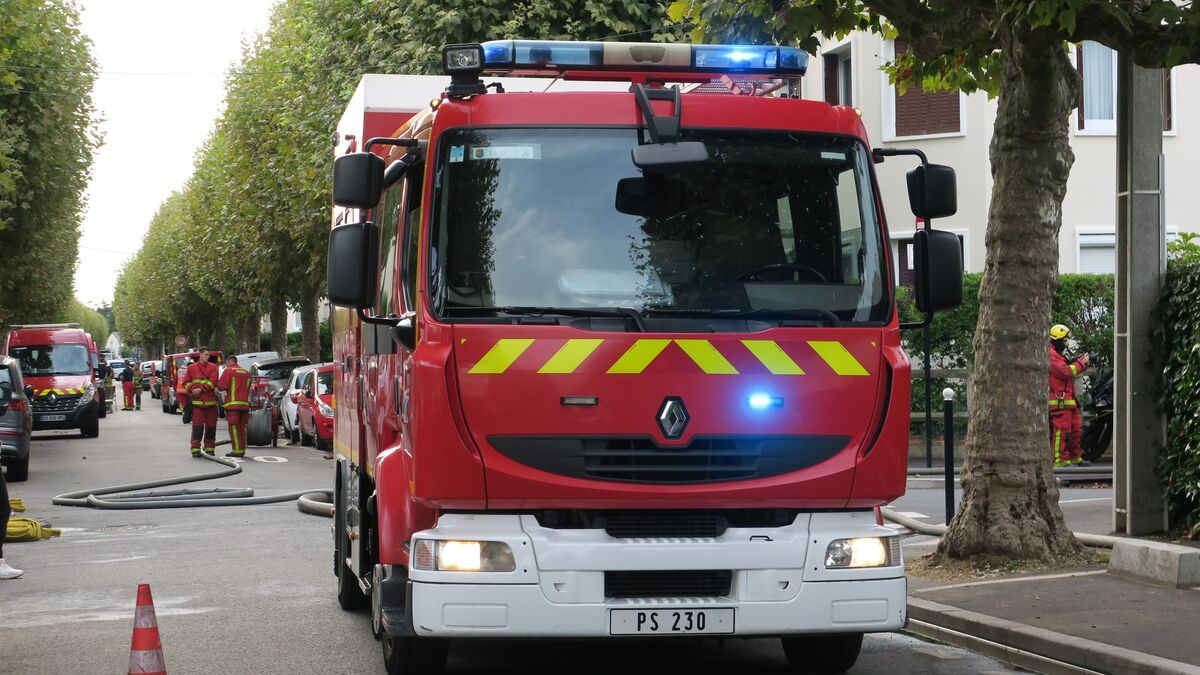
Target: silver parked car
{"points": [[16, 422]]}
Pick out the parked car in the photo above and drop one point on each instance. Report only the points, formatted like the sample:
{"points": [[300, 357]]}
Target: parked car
{"points": [[269, 381], [16, 420], [314, 407], [245, 360], [147, 370], [288, 402]]}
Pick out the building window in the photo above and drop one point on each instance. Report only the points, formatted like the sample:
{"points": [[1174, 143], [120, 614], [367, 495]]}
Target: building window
{"points": [[1097, 111], [839, 77], [918, 112], [1097, 250]]}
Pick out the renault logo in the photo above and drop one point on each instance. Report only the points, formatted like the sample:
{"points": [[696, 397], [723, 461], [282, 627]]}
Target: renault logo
{"points": [[53, 398], [672, 417]]}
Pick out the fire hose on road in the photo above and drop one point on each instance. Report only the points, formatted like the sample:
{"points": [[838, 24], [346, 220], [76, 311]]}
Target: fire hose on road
{"points": [[937, 530], [318, 502]]}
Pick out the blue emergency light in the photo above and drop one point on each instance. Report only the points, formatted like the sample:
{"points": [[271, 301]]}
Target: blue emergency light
{"points": [[555, 56]]}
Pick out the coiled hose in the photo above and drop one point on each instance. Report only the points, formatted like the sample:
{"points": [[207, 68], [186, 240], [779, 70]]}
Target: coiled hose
{"points": [[315, 502]]}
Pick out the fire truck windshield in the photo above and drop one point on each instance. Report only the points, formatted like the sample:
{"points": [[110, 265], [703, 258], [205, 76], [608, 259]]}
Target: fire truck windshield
{"points": [[62, 359], [774, 224]]}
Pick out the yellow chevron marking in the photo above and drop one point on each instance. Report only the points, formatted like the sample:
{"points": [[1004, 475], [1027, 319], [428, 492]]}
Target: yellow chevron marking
{"points": [[500, 356], [711, 361], [639, 355], [841, 361], [773, 357], [60, 392], [570, 355]]}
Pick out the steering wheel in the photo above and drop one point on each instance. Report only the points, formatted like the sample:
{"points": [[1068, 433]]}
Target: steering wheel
{"points": [[755, 274]]}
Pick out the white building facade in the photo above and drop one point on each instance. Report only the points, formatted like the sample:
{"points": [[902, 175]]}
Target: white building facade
{"points": [[956, 129]]}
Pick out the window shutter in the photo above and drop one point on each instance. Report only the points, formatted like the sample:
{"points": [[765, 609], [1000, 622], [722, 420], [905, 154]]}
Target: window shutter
{"points": [[831, 79], [919, 112]]}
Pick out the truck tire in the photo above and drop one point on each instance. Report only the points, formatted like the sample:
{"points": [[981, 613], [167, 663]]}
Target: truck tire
{"points": [[414, 655], [90, 427], [258, 431], [18, 471], [822, 653], [103, 409]]}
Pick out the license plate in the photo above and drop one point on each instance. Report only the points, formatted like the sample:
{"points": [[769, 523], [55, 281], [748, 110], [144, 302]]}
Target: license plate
{"points": [[52, 418], [670, 621]]}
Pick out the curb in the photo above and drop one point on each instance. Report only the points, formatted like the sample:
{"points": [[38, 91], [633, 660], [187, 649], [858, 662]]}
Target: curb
{"points": [[1068, 649]]}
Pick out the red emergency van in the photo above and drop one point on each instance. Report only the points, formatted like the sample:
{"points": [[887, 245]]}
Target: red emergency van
{"points": [[619, 355], [59, 363]]}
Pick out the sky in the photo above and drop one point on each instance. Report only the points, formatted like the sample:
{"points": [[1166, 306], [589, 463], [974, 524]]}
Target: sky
{"points": [[162, 70]]}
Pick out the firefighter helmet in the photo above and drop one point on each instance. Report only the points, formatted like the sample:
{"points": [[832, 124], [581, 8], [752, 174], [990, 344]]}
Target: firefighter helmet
{"points": [[1059, 331]]}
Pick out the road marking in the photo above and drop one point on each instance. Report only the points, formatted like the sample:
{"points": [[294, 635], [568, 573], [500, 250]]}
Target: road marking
{"points": [[1080, 501], [113, 560], [269, 459], [1007, 580]]}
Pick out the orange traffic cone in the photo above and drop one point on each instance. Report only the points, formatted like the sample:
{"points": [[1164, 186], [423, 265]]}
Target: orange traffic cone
{"points": [[145, 654]]}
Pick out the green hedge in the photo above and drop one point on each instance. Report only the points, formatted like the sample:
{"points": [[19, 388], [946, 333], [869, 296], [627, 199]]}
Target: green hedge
{"points": [[1179, 396], [1083, 301]]}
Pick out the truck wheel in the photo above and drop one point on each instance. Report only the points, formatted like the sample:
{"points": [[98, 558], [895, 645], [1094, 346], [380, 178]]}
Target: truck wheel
{"points": [[90, 427], [103, 410], [412, 655], [18, 471], [822, 653], [174, 408]]}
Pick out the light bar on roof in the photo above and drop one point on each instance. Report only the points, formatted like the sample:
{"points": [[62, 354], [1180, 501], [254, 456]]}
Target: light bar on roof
{"points": [[560, 55]]}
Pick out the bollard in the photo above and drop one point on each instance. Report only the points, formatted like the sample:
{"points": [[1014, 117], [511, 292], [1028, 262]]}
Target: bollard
{"points": [[948, 395]]}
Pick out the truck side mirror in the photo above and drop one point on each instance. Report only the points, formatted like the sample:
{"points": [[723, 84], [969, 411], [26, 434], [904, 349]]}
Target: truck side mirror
{"points": [[353, 260], [933, 191], [937, 263], [404, 333], [29, 391], [358, 180]]}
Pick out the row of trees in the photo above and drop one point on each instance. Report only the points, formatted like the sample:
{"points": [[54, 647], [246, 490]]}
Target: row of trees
{"points": [[47, 138], [247, 234], [1014, 50]]}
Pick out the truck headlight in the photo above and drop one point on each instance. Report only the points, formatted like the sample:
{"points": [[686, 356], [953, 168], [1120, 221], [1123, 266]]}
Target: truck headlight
{"points": [[89, 393], [463, 556], [863, 552]]}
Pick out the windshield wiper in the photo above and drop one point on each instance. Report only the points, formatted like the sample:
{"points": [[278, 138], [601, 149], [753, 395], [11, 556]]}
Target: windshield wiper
{"points": [[613, 312], [822, 315]]}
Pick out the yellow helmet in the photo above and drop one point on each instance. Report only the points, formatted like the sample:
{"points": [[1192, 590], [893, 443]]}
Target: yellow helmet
{"points": [[1059, 331]]}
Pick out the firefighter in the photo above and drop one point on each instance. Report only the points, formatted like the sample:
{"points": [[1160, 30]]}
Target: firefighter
{"points": [[200, 383], [126, 378], [137, 385], [1066, 424], [235, 386]]}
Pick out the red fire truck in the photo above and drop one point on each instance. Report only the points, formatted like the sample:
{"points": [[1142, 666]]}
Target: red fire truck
{"points": [[622, 362]]}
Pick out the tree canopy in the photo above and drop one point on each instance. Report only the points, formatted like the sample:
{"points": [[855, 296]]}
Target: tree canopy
{"points": [[47, 138]]}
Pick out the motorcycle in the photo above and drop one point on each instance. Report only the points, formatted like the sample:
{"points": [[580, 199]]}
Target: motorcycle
{"points": [[1098, 415]]}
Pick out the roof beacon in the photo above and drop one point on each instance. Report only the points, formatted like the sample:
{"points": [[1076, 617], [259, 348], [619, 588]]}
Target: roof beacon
{"points": [[552, 57]]}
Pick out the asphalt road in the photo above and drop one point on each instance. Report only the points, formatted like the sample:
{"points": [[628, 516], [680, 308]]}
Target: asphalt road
{"points": [[250, 589]]}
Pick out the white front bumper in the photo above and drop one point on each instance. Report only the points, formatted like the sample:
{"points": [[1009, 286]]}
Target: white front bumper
{"points": [[780, 585]]}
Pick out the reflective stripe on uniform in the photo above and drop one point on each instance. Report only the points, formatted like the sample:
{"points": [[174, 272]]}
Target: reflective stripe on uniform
{"points": [[1063, 403]]}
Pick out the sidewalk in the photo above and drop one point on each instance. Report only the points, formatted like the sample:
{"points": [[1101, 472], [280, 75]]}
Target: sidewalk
{"points": [[1062, 616]]}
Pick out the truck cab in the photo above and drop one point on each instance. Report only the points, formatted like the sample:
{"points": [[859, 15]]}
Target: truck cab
{"points": [[59, 362], [621, 363]]}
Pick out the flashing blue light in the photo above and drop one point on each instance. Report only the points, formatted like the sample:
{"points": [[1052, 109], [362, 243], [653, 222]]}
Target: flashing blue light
{"points": [[764, 401], [500, 55]]}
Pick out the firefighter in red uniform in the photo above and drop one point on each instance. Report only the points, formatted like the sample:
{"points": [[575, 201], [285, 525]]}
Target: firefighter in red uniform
{"points": [[235, 386], [1066, 424], [200, 383]]}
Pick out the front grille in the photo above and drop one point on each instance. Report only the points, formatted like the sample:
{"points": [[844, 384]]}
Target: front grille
{"points": [[642, 460], [668, 584], [67, 403], [664, 524]]}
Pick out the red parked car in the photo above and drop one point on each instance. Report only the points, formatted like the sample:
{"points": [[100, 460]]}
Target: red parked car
{"points": [[314, 407]]}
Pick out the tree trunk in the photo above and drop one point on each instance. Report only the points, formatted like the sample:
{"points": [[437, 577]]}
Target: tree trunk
{"points": [[253, 333], [1010, 499], [239, 336], [279, 326], [310, 325]]}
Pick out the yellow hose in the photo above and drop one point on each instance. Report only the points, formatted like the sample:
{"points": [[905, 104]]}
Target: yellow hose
{"points": [[28, 529]]}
